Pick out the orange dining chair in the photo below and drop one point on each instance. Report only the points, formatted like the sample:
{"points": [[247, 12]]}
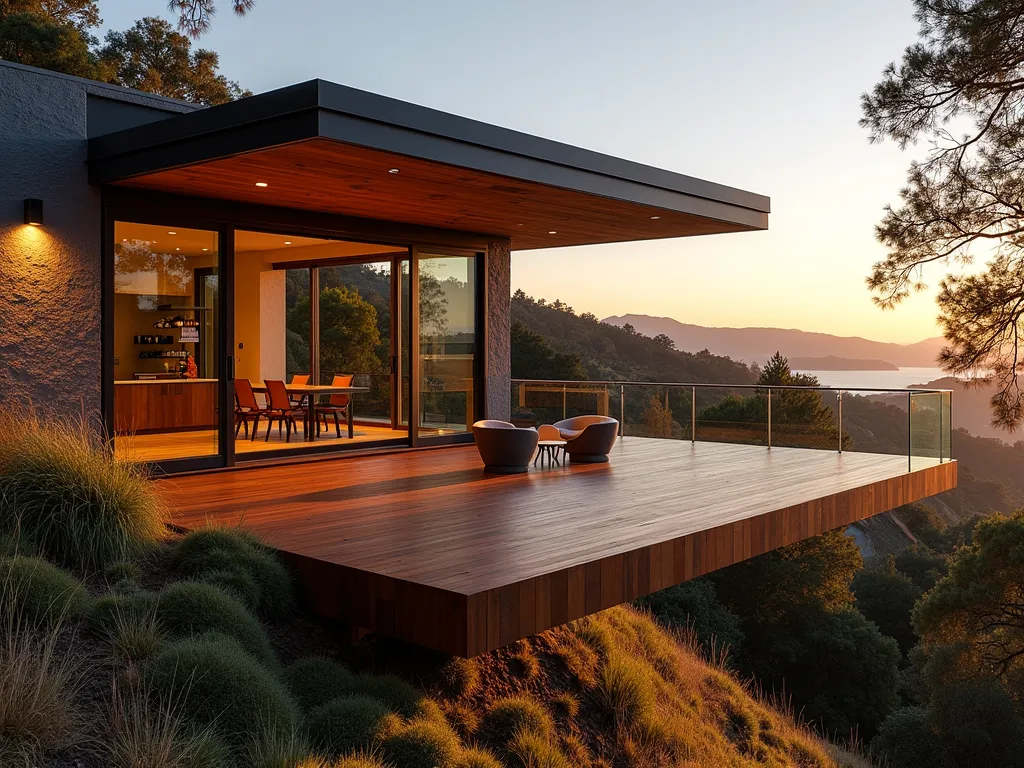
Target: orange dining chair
{"points": [[246, 408], [337, 406], [281, 409]]}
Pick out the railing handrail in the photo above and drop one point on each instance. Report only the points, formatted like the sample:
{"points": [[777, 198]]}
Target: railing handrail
{"points": [[820, 388]]}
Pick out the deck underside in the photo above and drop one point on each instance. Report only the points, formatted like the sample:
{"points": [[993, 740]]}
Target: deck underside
{"points": [[423, 546]]}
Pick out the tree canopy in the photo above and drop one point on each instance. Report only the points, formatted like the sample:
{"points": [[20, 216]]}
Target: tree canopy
{"points": [[960, 89], [151, 55]]}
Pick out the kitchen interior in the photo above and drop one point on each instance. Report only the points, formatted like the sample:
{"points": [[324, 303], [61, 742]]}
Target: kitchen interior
{"points": [[167, 292]]}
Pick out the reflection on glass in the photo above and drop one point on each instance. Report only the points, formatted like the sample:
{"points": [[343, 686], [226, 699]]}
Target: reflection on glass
{"points": [[166, 296], [355, 332], [447, 339]]}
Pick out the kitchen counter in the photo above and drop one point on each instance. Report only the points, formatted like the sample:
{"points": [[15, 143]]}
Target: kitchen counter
{"points": [[165, 405], [166, 381]]}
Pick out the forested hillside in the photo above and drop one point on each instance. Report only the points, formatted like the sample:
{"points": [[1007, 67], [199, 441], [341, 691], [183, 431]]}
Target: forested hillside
{"points": [[609, 352]]}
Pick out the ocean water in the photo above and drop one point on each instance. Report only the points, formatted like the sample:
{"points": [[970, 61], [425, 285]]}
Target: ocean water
{"points": [[900, 379]]}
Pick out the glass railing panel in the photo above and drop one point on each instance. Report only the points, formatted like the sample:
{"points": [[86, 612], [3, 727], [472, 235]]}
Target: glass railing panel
{"points": [[732, 415], [926, 425]]}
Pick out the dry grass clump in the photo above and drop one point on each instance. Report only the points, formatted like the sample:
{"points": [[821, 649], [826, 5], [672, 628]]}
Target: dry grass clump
{"points": [[513, 715], [143, 733], [529, 749], [421, 743], [39, 686], [134, 636], [478, 758], [460, 677], [61, 489]]}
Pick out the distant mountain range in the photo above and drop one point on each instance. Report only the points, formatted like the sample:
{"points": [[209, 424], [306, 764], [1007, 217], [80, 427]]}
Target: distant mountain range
{"points": [[752, 345]]}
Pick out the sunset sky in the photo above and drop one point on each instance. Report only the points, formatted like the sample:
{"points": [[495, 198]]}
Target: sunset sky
{"points": [[762, 96]]}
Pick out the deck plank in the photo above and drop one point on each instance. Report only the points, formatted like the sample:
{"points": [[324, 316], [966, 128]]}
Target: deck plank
{"points": [[526, 552]]}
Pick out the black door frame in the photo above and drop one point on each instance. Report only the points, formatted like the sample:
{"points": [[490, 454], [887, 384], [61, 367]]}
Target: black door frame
{"points": [[225, 323], [479, 266]]}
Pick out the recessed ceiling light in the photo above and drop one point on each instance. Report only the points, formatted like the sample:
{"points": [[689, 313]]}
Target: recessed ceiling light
{"points": [[393, 170], [519, 225], [655, 218], [206, 249], [172, 233], [287, 242], [552, 232], [262, 184], [177, 249], [124, 239]]}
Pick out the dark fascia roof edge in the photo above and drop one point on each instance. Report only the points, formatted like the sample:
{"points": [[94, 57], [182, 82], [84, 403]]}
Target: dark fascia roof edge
{"points": [[318, 108]]}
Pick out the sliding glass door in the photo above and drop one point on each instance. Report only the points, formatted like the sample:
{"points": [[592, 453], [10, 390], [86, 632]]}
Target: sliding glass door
{"points": [[446, 365], [166, 344]]}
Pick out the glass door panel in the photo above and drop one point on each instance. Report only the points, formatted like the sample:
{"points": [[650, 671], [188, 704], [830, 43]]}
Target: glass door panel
{"points": [[447, 344], [166, 343], [355, 335]]}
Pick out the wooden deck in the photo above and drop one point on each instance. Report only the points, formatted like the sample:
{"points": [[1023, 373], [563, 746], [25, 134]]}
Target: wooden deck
{"points": [[424, 546]]}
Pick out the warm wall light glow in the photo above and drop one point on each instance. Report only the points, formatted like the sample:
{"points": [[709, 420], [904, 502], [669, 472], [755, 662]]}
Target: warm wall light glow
{"points": [[393, 170], [655, 218], [262, 184], [287, 242], [553, 232], [172, 233]]}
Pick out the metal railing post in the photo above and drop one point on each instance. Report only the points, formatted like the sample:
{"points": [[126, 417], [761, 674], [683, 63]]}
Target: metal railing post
{"points": [[769, 418], [910, 432], [693, 414], [622, 410], [563, 402], [839, 410], [940, 427]]}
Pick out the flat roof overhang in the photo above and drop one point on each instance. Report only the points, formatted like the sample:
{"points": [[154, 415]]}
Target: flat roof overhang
{"points": [[324, 147]]}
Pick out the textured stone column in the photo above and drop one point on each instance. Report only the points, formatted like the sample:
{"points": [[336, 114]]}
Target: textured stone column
{"points": [[499, 352]]}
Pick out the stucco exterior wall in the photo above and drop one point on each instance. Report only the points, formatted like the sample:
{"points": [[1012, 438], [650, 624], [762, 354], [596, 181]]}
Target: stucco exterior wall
{"points": [[50, 313], [499, 351]]}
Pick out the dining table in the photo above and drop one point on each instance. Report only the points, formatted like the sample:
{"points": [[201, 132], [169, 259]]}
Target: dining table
{"points": [[311, 393]]}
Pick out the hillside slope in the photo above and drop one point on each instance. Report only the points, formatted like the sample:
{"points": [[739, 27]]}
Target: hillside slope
{"points": [[758, 344], [609, 352]]}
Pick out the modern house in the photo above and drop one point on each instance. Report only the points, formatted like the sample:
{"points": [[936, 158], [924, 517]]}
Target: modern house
{"points": [[156, 255]]}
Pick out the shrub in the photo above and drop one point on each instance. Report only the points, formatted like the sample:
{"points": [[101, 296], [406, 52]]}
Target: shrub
{"points": [[460, 677], [625, 689], [38, 688], [421, 744], [218, 683], [40, 592], [238, 584], [141, 732], [81, 507], [509, 716], [904, 739], [108, 610], [345, 724], [396, 694], [210, 553], [478, 758], [120, 571], [190, 608], [531, 750], [316, 681], [12, 544]]}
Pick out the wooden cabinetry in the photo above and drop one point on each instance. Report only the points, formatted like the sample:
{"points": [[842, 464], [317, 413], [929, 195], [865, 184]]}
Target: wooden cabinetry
{"points": [[165, 405]]}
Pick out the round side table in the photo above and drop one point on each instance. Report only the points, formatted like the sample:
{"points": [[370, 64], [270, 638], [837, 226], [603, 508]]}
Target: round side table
{"points": [[551, 450]]}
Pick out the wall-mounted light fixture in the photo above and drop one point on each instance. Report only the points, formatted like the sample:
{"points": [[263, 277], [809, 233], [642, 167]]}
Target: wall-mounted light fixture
{"points": [[34, 211]]}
